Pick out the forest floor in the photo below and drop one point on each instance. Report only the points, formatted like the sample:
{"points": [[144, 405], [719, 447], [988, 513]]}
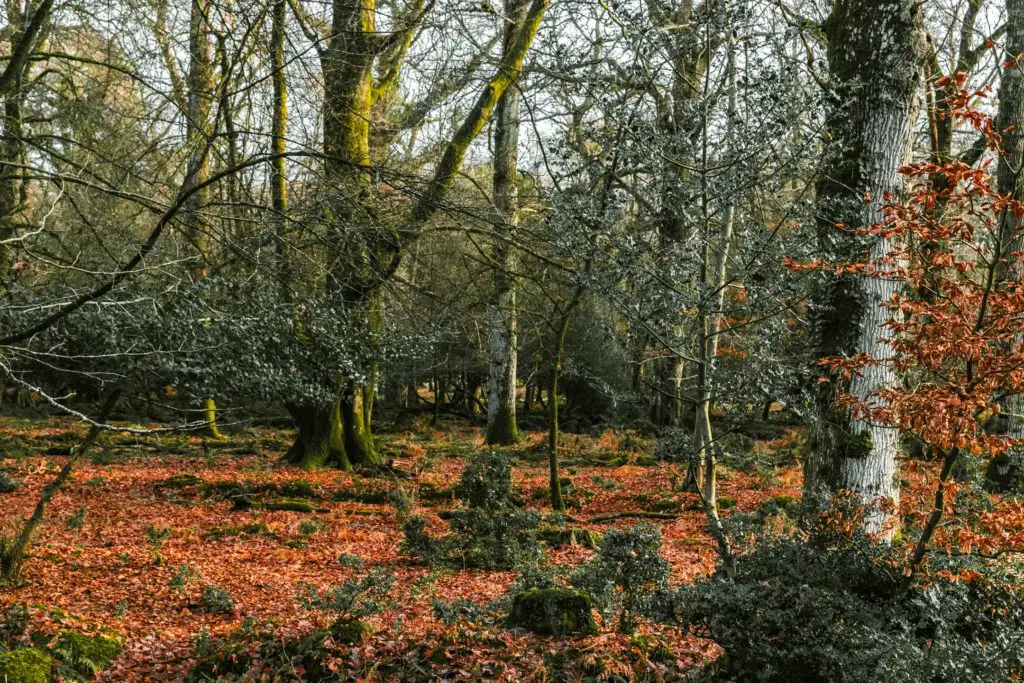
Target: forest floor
{"points": [[101, 559]]}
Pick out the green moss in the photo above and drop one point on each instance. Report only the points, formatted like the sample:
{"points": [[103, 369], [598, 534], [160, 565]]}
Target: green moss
{"points": [[503, 431], [27, 665], [181, 481], [8, 484], [552, 612], [349, 631], [298, 488], [726, 502], [584, 538], [88, 654], [232, 530], [290, 505], [857, 445]]}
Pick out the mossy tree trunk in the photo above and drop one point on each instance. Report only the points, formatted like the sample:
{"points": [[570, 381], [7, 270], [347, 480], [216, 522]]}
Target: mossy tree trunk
{"points": [[320, 439], [560, 328], [198, 139], [875, 50], [358, 439], [278, 133], [365, 256], [26, 32], [503, 347]]}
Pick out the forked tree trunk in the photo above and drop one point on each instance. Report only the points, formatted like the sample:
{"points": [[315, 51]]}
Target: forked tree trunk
{"points": [[875, 49]]}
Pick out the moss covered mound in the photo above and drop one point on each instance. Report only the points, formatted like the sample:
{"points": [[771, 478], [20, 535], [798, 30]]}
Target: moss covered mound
{"points": [[88, 654], [27, 665], [552, 612]]}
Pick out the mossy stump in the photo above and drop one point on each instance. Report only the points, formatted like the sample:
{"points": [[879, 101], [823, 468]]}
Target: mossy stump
{"points": [[27, 665], [552, 612]]}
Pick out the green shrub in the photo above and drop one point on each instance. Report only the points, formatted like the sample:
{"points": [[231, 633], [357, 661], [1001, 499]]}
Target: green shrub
{"points": [[627, 573], [460, 610], [14, 627], [27, 665], [308, 527], [486, 482], [495, 539], [84, 655], [226, 658], [798, 612], [183, 575], [489, 532], [217, 600], [353, 599]]}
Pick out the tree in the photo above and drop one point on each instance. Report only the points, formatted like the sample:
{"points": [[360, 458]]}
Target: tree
{"points": [[874, 57], [503, 350], [960, 344]]}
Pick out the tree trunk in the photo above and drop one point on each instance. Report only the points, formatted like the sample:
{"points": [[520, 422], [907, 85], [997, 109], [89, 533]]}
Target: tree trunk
{"points": [[678, 120], [557, 501], [1009, 123], [714, 271], [874, 52], [11, 150], [320, 438], [278, 133], [358, 440], [502, 352]]}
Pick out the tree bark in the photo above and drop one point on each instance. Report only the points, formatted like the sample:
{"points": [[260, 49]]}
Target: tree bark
{"points": [[278, 133], [1009, 122], [875, 50], [319, 441], [503, 348]]}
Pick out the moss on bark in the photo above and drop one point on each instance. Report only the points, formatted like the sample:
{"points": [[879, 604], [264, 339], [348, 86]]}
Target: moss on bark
{"points": [[320, 440], [357, 439], [503, 430]]}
